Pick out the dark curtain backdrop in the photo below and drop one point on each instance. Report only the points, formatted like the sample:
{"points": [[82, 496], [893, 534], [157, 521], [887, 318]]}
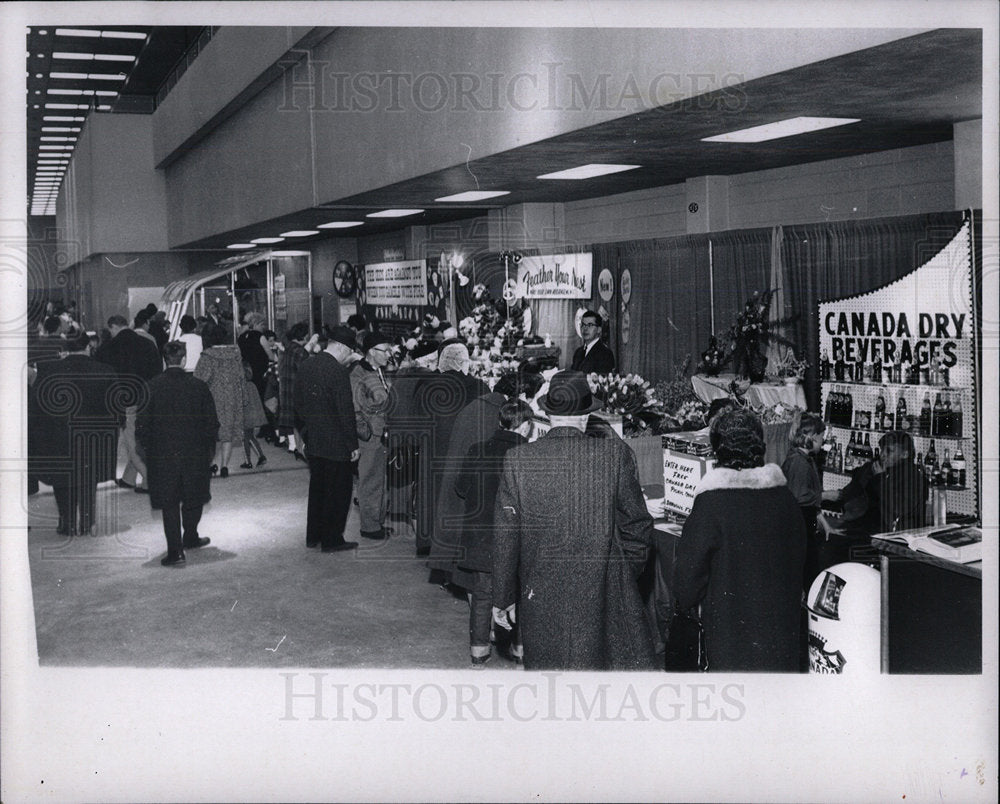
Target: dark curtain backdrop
{"points": [[741, 265], [670, 306], [831, 260]]}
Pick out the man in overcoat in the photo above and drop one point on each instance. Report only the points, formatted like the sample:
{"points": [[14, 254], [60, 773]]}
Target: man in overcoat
{"points": [[572, 535], [371, 394], [324, 409], [593, 357], [177, 429], [72, 431]]}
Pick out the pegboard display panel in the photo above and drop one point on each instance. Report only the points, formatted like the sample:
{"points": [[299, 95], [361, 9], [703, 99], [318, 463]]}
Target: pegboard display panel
{"points": [[913, 337]]}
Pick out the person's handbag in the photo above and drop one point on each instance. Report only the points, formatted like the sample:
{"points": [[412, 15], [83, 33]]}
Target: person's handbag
{"points": [[685, 647]]}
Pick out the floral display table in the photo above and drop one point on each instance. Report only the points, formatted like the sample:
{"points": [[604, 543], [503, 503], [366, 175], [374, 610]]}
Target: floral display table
{"points": [[758, 395]]}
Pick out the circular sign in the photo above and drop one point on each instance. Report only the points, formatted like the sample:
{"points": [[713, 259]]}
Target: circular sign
{"points": [[626, 325], [577, 319], [509, 292], [606, 285], [626, 285], [344, 280]]}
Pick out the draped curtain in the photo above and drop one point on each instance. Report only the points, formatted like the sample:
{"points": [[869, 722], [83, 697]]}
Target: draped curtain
{"points": [[843, 258], [741, 265], [670, 308]]}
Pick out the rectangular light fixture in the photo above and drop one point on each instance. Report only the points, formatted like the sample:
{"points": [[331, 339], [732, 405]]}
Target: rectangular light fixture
{"points": [[587, 171], [55, 118], [782, 128], [263, 241], [92, 56], [340, 224], [78, 32], [289, 253], [58, 139], [393, 213], [59, 128], [122, 35], [240, 245], [68, 76], [66, 106], [300, 233], [474, 195]]}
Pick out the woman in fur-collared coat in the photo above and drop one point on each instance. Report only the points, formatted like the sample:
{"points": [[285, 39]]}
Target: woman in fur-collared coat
{"points": [[741, 555]]}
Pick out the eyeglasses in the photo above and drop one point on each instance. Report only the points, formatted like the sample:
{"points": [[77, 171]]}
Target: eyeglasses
{"points": [[585, 324]]}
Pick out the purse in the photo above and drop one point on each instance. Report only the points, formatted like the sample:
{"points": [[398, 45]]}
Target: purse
{"points": [[685, 648]]}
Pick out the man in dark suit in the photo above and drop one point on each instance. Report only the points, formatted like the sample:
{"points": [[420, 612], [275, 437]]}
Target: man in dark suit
{"points": [[572, 533], [593, 357], [324, 410], [72, 432], [177, 429], [137, 361]]}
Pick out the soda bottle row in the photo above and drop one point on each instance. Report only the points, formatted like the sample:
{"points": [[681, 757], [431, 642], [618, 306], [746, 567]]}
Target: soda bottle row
{"points": [[946, 473], [905, 372], [944, 418]]}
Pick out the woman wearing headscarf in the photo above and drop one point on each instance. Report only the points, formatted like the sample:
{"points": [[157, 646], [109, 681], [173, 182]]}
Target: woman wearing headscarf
{"points": [[741, 554]]}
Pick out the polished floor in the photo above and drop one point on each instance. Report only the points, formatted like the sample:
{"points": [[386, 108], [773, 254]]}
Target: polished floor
{"points": [[255, 597]]}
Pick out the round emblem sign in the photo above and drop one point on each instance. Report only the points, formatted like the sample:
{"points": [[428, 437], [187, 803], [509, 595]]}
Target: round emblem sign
{"points": [[606, 285], [626, 285]]}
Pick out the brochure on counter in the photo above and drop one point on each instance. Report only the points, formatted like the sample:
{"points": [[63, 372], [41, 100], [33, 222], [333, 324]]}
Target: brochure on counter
{"points": [[960, 543]]}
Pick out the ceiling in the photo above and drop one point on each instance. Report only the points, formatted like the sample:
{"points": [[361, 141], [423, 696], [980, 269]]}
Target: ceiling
{"points": [[136, 61], [907, 92]]}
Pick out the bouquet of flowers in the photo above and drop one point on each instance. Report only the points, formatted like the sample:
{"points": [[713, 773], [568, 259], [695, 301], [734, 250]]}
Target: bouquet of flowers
{"points": [[630, 397], [712, 359], [778, 413], [691, 415], [788, 366]]}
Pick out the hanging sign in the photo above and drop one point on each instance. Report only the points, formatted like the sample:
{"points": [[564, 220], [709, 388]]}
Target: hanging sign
{"points": [[555, 276], [606, 285], [403, 283], [626, 286]]}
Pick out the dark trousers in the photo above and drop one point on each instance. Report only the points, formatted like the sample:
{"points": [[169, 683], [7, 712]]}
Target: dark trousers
{"points": [[330, 486], [76, 498], [481, 616], [174, 519]]}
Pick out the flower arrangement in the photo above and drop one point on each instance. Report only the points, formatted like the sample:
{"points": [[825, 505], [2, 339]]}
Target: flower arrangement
{"points": [[629, 396], [789, 367], [712, 359], [777, 413], [494, 326], [682, 410]]}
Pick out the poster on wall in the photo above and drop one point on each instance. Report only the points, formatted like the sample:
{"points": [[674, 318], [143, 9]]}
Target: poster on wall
{"points": [[902, 357], [396, 283], [399, 294], [555, 276]]}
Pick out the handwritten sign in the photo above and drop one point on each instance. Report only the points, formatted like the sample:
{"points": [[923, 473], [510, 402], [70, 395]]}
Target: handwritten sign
{"points": [[555, 276], [681, 474], [396, 283]]}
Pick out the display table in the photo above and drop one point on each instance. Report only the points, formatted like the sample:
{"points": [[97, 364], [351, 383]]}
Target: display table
{"points": [[932, 612], [758, 395]]}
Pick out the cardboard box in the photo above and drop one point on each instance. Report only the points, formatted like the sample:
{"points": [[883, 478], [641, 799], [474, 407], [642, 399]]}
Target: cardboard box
{"points": [[682, 469]]}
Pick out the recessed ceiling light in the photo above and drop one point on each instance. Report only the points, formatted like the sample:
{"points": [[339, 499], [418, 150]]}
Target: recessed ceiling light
{"points": [[393, 213], [77, 32], [587, 171], [289, 253], [300, 233], [122, 35], [102, 108], [266, 240], [474, 195], [59, 128], [240, 245], [70, 91], [66, 106], [68, 76], [57, 139], [781, 128], [340, 224]]}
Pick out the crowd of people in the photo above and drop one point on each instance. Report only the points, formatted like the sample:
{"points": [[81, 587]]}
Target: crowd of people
{"points": [[547, 538]]}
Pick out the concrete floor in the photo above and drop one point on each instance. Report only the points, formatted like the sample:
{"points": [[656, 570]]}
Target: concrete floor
{"points": [[255, 597]]}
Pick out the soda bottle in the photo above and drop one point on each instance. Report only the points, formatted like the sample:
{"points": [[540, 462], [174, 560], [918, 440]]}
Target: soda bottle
{"points": [[936, 416], [958, 466], [925, 415], [956, 417], [900, 411], [946, 470], [879, 422]]}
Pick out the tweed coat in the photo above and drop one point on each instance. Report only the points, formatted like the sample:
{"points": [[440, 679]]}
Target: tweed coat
{"points": [[74, 408], [324, 408], [291, 359], [221, 367], [599, 360], [476, 422], [741, 555], [177, 430], [561, 501]]}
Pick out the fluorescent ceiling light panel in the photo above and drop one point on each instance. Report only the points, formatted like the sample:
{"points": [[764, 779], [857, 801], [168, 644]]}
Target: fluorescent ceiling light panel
{"points": [[59, 128], [65, 106], [58, 139], [587, 171], [289, 253], [93, 56], [122, 35], [300, 233], [474, 195], [70, 91], [69, 76], [77, 32], [782, 128], [240, 245], [55, 118], [394, 213], [340, 224], [266, 240]]}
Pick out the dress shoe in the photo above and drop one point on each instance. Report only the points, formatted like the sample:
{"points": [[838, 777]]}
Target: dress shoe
{"points": [[479, 661], [246, 466], [199, 541], [262, 460], [337, 548], [299, 456], [224, 471], [141, 490], [312, 544], [214, 469], [122, 484], [374, 534], [178, 559]]}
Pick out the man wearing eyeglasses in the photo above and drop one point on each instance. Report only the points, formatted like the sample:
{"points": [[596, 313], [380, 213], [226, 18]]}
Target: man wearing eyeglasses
{"points": [[593, 357]]}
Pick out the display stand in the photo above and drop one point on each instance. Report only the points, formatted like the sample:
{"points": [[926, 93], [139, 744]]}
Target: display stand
{"points": [[911, 339]]}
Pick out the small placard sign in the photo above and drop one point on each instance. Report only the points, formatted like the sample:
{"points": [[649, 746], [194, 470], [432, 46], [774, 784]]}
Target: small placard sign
{"points": [[681, 473]]}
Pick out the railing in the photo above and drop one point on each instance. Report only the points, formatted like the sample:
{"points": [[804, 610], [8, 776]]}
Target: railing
{"points": [[185, 61]]}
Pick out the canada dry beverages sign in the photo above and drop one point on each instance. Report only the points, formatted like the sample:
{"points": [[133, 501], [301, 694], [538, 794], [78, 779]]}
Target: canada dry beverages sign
{"points": [[555, 276]]}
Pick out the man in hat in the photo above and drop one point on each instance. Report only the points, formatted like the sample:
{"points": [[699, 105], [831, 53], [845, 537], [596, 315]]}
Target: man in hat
{"points": [[324, 410], [572, 533], [371, 395], [593, 357]]}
